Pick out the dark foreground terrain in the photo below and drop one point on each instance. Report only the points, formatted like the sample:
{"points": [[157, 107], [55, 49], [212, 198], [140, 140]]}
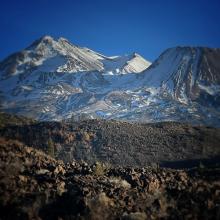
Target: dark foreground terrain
{"points": [[99, 169], [35, 186], [169, 144]]}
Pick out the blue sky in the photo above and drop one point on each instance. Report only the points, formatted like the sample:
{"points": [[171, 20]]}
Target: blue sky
{"points": [[112, 27]]}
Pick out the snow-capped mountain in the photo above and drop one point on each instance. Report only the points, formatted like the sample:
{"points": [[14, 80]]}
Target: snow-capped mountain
{"points": [[50, 55], [54, 80], [189, 74]]}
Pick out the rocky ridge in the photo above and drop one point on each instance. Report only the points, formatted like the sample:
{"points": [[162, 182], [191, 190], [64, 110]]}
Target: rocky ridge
{"points": [[120, 143]]}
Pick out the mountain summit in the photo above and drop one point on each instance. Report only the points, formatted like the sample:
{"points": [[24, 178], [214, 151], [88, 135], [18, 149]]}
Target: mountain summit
{"points": [[53, 79], [189, 74], [49, 55]]}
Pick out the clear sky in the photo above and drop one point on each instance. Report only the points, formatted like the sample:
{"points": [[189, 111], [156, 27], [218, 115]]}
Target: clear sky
{"points": [[112, 27]]}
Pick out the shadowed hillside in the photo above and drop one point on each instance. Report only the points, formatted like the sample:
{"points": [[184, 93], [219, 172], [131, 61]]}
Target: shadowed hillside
{"points": [[119, 143], [36, 186]]}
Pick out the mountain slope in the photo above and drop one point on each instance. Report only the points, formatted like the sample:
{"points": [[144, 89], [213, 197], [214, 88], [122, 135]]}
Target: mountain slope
{"points": [[119, 143], [54, 80], [35, 186], [189, 74]]}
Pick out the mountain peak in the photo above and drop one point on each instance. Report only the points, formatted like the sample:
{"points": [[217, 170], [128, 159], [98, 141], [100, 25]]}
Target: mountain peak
{"points": [[47, 38], [188, 74], [136, 54], [136, 64], [63, 39]]}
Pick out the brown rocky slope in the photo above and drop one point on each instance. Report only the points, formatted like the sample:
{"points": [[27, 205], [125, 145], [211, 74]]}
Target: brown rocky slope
{"points": [[36, 186], [120, 143]]}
